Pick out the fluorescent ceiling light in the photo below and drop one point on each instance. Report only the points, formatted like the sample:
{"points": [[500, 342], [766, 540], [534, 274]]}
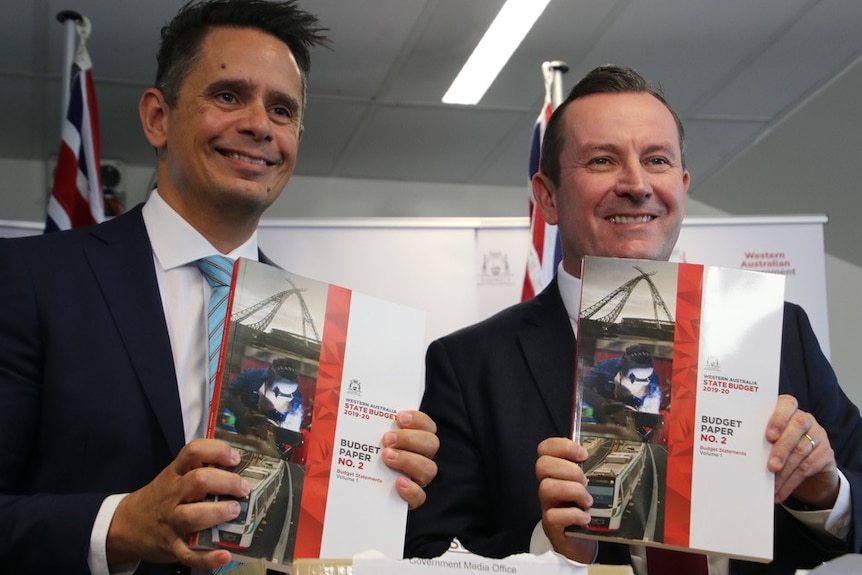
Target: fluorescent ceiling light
{"points": [[515, 19]]}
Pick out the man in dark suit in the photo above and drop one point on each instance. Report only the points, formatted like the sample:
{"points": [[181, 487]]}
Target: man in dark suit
{"points": [[103, 369], [613, 178]]}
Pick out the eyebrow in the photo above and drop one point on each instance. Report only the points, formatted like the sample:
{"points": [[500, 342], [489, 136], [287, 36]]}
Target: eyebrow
{"points": [[667, 147], [240, 86]]}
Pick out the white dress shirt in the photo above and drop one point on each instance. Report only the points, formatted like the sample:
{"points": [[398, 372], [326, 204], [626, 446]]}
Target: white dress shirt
{"points": [[185, 295], [835, 521]]}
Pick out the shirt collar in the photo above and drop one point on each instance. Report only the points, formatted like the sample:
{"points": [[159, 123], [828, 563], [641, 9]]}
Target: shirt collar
{"points": [[176, 243], [570, 292]]}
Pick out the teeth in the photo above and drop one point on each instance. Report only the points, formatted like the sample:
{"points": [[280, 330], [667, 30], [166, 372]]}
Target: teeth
{"points": [[240, 157], [629, 219]]}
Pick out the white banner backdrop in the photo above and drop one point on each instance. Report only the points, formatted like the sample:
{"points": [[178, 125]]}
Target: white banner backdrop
{"points": [[791, 246], [461, 270]]}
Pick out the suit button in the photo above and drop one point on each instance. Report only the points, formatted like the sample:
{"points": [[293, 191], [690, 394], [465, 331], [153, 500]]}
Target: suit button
{"points": [[180, 570]]}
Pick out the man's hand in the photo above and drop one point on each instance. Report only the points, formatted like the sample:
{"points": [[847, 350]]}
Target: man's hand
{"points": [[154, 523], [563, 496], [801, 456], [410, 450]]}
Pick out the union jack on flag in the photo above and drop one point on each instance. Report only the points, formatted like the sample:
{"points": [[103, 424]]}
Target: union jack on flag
{"points": [[544, 253], [76, 195]]}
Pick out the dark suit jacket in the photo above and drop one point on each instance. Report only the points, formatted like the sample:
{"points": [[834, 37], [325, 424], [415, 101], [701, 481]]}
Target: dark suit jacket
{"points": [[88, 390], [498, 388]]}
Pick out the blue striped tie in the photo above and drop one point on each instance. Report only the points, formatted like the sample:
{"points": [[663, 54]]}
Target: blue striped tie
{"points": [[217, 270]]}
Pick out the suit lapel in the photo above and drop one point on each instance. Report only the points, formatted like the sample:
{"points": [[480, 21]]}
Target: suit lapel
{"points": [[549, 347], [122, 262], [265, 260]]}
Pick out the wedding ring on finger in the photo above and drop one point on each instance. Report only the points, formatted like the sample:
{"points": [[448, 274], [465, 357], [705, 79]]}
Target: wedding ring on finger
{"points": [[811, 441]]}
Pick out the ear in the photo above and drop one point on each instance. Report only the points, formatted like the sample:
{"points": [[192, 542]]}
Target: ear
{"points": [[545, 194], [154, 112]]}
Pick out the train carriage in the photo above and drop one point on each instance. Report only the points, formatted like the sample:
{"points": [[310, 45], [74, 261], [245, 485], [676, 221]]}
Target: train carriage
{"points": [[612, 484], [264, 474]]}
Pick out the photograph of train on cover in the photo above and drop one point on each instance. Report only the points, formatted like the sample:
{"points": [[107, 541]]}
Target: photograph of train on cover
{"points": [[623, 393], [266, 394]]}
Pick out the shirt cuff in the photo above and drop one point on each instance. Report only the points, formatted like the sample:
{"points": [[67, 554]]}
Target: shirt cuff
{"points": [[835, 521], [97, 558], [539, 543]]}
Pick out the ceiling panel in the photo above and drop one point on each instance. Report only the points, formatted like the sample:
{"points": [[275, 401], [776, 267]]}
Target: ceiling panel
{"points": [[575, 25], [444, 37], [427, 130], [20, 37], [352, 65], [712, 144], [330, 125], [817, 46], [734, 69]]}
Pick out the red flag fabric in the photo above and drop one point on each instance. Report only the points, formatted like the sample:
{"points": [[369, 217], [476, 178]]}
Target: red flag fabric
{"points": [[544, 253], [76, 196]]}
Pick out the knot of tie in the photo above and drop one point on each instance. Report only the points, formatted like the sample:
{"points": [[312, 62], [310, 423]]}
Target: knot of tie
{"points": [[216, 269]]}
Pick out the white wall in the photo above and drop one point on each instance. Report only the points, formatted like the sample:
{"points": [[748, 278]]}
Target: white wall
{"points": [[22, 190], [845, 323]]}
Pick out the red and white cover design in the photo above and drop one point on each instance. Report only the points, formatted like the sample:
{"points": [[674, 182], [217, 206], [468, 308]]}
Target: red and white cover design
{"points": [[677, 376], [310, 379]]}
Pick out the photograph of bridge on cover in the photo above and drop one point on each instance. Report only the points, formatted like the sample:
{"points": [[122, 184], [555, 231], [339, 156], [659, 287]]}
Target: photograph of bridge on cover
{"points": [[266, 399], [624, 359]]}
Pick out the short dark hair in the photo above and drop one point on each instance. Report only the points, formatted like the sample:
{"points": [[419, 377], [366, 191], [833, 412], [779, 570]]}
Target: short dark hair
{"points": [[602, 80], [183, 36]]}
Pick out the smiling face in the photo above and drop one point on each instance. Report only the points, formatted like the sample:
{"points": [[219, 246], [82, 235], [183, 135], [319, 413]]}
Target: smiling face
{"points": [[228, 146], [622, 186]]}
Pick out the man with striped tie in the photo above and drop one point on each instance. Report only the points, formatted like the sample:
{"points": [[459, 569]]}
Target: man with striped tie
{"points": [[103, 369], [613, 179]]}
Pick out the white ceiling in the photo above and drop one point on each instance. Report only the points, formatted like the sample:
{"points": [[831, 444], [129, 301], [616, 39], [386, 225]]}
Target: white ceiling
{"points": [[734, 69]]}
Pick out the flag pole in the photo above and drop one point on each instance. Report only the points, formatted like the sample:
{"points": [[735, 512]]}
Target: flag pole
{"points": [[70, 21], [553, 72]]}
